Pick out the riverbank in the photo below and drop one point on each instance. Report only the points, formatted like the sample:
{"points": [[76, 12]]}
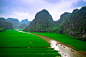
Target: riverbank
{"points": [[73, 43], [64, 49]]}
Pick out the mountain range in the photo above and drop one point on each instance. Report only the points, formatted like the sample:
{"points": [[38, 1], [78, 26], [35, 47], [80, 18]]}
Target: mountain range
{"points": [[72, 24], [17, 24]]}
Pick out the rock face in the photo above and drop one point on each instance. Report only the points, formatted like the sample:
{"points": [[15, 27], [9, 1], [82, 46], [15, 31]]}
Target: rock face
{"points": [[14, 21], [42, 21], [4, 24]]}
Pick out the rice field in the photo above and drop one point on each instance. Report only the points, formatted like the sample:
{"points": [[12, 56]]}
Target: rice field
{"points": [[18, 44]]}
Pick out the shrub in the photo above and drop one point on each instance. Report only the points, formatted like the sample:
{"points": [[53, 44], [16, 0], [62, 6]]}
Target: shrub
{"points": [[83, 39], [2, 29]]}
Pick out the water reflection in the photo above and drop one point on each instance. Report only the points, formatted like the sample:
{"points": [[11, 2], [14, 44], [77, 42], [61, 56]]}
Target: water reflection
{"points": [[24, 32], [54, 44], [65, 51], [20, 31]]}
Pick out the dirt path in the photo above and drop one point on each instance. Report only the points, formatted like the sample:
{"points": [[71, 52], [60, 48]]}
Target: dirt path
{"points": [[64, 50]]}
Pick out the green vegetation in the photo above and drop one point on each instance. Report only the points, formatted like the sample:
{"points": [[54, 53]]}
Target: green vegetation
{"points": [[15, 22], [4, 24], [18, 44], [79, 45], [2, 29], [20, 29]]}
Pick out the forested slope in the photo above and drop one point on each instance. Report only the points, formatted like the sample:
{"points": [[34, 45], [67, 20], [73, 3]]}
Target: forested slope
{"points": [[5, 25], [72, 24]]}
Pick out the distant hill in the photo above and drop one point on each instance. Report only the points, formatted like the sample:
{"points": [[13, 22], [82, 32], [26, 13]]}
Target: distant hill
{"points": [[42, 21], [22, 26], [24, 22], [4, 24], [14, 21]]}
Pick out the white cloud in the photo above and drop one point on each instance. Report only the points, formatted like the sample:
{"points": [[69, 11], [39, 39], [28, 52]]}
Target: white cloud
{"points": [[19, 15], [28, 8], [23, 15]]}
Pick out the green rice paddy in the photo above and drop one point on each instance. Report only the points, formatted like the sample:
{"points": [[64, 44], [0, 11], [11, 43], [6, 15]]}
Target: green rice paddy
{"points": [[18, 44], [79, 45]]}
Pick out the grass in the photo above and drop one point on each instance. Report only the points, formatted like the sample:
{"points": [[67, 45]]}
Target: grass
{"points": [[79, 45], [18, 44]]}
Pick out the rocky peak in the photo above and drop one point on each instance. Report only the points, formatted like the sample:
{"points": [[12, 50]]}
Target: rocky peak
{"points": [[42, 21]]}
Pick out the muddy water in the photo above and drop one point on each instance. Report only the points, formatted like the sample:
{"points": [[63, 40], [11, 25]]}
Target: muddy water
{"points": [[64, 50]]}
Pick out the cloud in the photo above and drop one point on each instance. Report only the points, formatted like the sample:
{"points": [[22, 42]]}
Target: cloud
{"points": [[79, 3], [20, 15], [23, 9], [23, 15]]}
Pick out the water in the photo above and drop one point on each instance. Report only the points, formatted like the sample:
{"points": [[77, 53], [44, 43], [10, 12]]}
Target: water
{"points": [[65, 51], [54, 44]]}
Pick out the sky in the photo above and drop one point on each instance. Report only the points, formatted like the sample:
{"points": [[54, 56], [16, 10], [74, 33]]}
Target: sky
{"points": [[27, 9]]}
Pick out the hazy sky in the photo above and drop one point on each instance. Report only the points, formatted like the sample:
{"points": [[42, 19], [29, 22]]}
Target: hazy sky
{"points": [[22, 9]]}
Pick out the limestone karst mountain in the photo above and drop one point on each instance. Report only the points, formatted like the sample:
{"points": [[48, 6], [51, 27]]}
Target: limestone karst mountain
{"points": [[42, 21]]}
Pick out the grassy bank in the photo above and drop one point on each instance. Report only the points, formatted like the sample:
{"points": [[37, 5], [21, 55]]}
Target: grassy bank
{"points": [[79, 45], [18, 44]]}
